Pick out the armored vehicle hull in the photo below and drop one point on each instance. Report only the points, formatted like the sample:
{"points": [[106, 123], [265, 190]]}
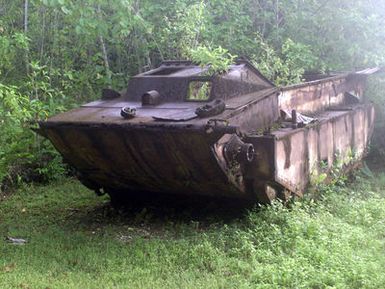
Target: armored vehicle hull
{"points": [[179, 130]]}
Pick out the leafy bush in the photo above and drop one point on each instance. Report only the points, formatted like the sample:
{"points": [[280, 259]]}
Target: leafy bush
{"points": [[23, 154], [12, 48], [217, 59], [288, 65]]}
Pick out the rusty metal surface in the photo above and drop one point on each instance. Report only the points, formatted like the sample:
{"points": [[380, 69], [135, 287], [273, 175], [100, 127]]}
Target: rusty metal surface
{"points": [[243, 151], [254, 110], [290, 158], [178, 162], [320, 94], [172, 80]]}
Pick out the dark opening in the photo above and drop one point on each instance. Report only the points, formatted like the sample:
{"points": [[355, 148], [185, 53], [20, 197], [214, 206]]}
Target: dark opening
{"points": [[199, 90]]}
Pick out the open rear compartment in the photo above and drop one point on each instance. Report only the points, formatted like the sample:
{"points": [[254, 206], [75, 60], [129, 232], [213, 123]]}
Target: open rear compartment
{"points": [[326, 124]]}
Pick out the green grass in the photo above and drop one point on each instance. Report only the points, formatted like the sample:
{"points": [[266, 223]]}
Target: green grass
{"points": [[75, 240]]}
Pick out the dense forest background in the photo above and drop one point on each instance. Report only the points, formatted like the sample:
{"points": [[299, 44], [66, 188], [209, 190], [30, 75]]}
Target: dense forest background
{"points": [[55, 54]]}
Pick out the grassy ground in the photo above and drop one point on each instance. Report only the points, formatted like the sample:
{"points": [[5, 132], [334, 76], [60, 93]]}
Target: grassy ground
{"points": [[75, 240]]}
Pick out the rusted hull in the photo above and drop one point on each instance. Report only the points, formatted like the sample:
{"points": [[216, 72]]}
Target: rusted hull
{"points": [[185, 162], [243, 151], [132, 160]]}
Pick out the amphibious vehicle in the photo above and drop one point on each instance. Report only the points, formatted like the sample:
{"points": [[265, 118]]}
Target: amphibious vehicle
{"points": [[178, 129]]}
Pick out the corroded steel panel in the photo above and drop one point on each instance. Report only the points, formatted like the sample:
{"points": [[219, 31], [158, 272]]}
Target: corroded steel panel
{"points": [[154, 161], [335, 140], [288, 159], [318, 95]]}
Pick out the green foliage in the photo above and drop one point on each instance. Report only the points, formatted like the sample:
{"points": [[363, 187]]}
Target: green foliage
{"points": [[343, 35], [184, 28], [298, 58], [22, 151], [15, 111], [217, 60], [199, 90], [12, 47], [328, 181], [288, 65]]}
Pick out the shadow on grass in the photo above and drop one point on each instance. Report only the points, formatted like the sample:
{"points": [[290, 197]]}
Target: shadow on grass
{"points": [[159, 211]]}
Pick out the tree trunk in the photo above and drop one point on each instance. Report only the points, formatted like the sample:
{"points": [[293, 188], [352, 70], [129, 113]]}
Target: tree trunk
{"points": [[104, 51], [26, 4]]}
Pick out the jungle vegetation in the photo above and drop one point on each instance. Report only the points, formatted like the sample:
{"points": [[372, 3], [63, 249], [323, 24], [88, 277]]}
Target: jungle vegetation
{"points": [[55, 54]]}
